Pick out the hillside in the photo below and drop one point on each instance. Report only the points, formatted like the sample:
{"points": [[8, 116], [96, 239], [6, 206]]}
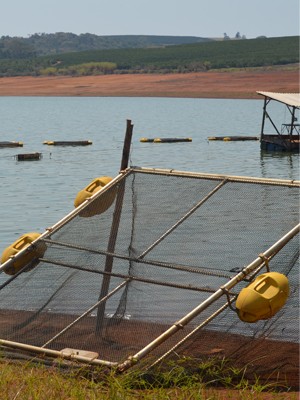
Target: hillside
{"points": [[41, 44], [192, 57]]}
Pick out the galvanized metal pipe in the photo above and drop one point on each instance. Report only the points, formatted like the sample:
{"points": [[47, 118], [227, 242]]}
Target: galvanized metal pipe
{"points": [[60, 223], [126, 172], [230, 178], [275, 248], [181, 220], [188, 336], [55, 353], [87, 312]]}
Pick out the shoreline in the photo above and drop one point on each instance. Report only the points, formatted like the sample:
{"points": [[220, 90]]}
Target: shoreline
{"points": [[241, 84]]}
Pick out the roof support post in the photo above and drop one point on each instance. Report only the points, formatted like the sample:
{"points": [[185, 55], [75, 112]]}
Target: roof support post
{"points": [[263, 118], [294, 119]]}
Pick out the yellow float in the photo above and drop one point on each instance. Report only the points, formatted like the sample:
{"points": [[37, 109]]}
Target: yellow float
{"points": [[20, 244], [101, 204], [263, 298]]}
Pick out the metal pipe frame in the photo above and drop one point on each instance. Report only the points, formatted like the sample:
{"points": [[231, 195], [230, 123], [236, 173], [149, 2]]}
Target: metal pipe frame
{"points": [[55, 353], [229, 178], [275, 248], [128, 171], [63, 221], [87, 312]]}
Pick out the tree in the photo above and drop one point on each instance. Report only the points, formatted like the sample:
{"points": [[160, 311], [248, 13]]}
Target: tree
{"points": [[17, 48]]}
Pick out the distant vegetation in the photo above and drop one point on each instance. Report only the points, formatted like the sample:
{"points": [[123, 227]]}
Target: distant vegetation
{"points": [[56, 43], [147, 54]]}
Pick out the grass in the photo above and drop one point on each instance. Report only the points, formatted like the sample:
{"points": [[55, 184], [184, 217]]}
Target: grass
{"points": [[184, 379], [266, 68]]}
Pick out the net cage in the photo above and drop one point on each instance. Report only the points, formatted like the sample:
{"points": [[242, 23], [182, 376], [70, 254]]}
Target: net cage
{"points": [[151, 266]]}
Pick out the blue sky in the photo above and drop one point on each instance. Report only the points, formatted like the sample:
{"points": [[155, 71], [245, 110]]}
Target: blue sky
{"points": [[210, 18]]}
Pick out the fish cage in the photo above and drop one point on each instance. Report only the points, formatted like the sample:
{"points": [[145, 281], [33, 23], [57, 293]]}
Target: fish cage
{"points": [[151, 267]]}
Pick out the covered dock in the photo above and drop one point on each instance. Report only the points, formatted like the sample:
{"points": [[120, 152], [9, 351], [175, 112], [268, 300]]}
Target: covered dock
{"points": [[286, 137]]}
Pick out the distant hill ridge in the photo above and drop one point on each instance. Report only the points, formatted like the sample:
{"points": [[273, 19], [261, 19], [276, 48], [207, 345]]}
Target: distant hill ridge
{"points": [[40, 44], [140, 54]]}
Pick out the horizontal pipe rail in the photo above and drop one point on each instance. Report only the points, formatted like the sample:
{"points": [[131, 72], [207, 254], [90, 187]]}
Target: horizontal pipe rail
{"points": [[229, 178], [55, 353], [61, 222], [275, 248]]}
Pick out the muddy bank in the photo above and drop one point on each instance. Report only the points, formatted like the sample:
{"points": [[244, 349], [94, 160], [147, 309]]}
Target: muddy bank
{"points": [[274, 362], [239, 84]]}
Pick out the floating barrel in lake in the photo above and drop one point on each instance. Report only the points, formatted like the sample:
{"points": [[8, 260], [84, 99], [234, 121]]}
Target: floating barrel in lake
{"points": [[29, 156], [11, 144], [165, 140], [233, 138], [68, 143]]}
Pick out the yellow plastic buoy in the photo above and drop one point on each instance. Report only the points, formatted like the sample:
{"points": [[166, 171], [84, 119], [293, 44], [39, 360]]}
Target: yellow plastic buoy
{"points": [[100, 205], [20, 244], [263, 298]]}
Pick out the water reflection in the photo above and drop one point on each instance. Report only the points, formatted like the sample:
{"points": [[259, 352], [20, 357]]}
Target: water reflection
{"points": [[288, 162]]}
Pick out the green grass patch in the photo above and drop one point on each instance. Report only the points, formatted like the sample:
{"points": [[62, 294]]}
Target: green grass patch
{"points": [[184, 378]]}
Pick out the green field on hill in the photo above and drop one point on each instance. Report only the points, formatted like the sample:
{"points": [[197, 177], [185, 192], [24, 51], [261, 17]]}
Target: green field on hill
{"points": [[194, 57]]}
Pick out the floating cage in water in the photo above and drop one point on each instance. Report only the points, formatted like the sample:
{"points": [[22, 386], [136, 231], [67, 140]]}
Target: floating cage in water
{"points": [[156, 274], [28, 157]]}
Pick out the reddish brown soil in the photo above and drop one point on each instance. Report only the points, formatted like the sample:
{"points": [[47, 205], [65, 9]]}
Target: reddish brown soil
{"points": [[238, 84], [274, 362]]}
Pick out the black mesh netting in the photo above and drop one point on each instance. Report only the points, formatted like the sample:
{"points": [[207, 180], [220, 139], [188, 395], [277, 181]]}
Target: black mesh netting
{"points": [[154, 246]]}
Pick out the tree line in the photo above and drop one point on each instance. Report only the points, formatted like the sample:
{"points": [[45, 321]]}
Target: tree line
{"points": [[42, 44], [182, 58]]}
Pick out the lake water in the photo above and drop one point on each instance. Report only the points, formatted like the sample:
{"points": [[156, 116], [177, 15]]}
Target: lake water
{"points": [[36, 194]]}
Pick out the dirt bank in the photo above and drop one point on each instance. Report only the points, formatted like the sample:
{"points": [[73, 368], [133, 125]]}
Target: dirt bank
{"points": [[274, 362], [239, 84]]}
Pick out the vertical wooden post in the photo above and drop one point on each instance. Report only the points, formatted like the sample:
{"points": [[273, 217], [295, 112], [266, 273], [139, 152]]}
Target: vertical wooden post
{"points": [[114, 228], [126, 146]]}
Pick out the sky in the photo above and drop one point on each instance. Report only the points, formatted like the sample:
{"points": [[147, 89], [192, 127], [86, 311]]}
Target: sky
{"points": [[209, 18]]}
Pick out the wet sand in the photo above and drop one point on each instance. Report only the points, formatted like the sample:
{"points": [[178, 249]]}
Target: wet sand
{"points": [[238, 84]]}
